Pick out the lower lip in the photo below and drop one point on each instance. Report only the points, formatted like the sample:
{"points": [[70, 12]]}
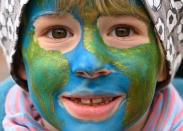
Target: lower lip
{"points": [[91, 113]]}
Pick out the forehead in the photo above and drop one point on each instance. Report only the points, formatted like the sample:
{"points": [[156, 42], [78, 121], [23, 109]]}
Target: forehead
{"points": [[88, 8]]}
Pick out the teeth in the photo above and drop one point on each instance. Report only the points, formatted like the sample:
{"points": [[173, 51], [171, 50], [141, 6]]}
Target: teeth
{"points": [[92, 102], [110, 99], [73, 99], [107, 101], [95, 101], [85, 101], [76, 101]]}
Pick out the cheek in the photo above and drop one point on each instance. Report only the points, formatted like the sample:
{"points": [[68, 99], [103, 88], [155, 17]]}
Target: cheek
{"points": [[142, 70], [46, 68], [48, 72], [141, 65]]}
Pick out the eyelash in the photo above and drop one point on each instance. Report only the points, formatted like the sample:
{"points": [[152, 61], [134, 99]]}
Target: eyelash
{"points": [[51, 28], [135, 31]]}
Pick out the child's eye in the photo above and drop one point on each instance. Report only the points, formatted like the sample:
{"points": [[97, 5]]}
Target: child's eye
{"points": [[122, 31], [59, 33]]}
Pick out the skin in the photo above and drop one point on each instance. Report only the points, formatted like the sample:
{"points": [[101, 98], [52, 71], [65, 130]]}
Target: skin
{"points": [[56, 66]]}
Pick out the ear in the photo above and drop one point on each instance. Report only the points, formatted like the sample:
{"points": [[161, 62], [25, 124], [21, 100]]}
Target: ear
{"points": [[22, 73], [162, 75]]}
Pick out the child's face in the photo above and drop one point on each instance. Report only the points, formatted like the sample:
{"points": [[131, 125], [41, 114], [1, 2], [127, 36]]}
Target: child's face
{"points": [[89, 71]]}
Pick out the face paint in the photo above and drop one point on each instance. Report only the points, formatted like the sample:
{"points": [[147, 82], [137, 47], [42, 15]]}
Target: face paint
{"points": [[52, 74]]}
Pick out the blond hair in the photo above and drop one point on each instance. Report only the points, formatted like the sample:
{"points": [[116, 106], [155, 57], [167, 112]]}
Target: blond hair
{"points": [[104, 7]]}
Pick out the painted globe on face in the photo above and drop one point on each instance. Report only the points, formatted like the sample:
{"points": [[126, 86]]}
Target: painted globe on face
{"points": [[100, 75]]}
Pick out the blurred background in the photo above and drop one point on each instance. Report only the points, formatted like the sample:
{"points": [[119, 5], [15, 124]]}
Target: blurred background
{"points": [[4, 70], [3, 67], [180, 71]]}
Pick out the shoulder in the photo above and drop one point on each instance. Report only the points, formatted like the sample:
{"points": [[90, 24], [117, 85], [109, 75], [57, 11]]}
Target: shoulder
{"points": [[20, 114], [166, 110], [5, 86]]}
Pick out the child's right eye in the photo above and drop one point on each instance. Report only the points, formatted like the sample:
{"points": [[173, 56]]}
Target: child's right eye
{"points": [[59, 33]]}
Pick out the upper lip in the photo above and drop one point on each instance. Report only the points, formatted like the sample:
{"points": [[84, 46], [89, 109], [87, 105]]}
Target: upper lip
{"points": [[90, 95]]}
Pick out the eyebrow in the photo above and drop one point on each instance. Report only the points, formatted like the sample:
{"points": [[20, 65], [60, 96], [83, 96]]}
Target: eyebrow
{"points": [[138, 16], [47, 13], [137, 12]]}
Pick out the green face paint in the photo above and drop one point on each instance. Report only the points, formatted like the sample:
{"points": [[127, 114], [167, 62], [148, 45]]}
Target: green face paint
{"points": [[47, 70]]}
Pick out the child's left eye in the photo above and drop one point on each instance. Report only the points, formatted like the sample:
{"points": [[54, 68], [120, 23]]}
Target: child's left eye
{"points": [[122, 31], [59, 33]]}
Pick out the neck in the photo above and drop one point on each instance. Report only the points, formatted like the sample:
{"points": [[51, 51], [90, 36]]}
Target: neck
{"points": [[139, 125]]}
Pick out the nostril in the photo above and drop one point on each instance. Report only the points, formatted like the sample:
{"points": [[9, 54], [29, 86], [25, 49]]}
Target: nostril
{"points": [[101, 73], [95, 74], [80, 73], [104, 72]]}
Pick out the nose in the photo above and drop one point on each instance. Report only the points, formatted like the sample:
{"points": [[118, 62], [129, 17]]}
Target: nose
{"points": [[86, 64], [94, 74]]}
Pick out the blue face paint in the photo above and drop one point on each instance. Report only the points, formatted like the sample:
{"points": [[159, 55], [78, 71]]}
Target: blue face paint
{"points": [[43, 70]]}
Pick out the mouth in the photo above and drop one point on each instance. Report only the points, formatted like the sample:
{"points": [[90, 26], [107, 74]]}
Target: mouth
{"points": [[96, 108]]}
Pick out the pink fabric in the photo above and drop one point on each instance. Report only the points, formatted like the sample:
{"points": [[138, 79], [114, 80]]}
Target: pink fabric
{"points": [[20, 112], [166, 111]]}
